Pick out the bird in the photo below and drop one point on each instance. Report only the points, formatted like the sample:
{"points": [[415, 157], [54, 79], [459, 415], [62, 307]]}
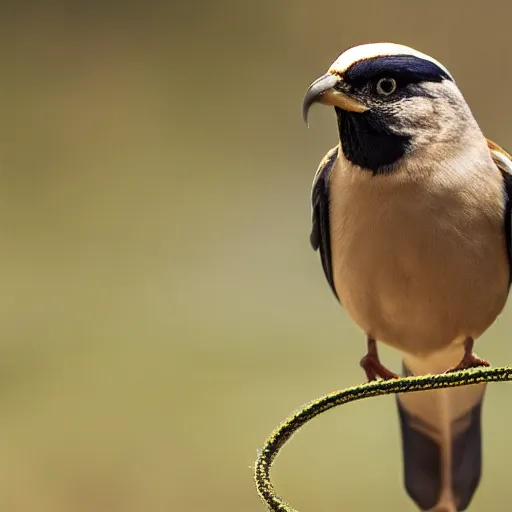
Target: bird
{"points": [[411, 216]]}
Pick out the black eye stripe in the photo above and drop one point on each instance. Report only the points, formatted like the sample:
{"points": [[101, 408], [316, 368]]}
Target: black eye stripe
{"points": [[404, 68]]}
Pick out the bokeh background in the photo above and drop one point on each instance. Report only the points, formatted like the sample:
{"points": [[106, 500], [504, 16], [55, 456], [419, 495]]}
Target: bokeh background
{"points": [[161, 309]]}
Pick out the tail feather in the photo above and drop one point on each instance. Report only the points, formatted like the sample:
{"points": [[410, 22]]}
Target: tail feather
{"points": [[442, 446]]}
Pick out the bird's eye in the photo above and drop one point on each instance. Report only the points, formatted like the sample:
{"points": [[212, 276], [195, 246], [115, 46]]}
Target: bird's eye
{"points": [[386, 86]]}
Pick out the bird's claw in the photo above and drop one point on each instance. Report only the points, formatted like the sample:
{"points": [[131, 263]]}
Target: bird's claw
{"points": [[375, 369], [469, 360]]}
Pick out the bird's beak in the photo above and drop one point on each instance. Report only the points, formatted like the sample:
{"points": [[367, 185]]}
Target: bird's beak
{"points": [[322, 91]]}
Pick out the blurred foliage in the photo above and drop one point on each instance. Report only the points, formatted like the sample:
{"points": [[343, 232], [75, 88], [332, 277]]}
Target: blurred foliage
{"points": [[161, 307]]}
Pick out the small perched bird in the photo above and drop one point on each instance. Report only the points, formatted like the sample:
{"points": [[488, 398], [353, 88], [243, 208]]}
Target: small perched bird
{"points": [[411, 216]]}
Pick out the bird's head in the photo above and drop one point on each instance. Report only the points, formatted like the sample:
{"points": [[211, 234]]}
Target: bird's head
{"points": [[391, 102]]}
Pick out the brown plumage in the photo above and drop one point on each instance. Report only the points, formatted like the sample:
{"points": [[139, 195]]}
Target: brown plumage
{"points": [[411, 217]]}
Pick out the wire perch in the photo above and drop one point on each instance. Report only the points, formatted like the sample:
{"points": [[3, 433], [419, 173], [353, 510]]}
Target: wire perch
{"points": [[290, 426]]}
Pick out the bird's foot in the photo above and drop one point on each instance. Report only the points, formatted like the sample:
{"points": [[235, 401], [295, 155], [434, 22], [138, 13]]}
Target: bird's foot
{"points": [[469, 360], [374, 369], [372, 366]]}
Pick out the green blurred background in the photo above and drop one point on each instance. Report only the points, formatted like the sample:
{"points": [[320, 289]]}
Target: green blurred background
{"points": [[162, 310]]}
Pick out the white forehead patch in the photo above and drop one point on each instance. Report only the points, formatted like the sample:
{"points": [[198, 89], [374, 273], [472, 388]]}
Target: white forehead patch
{"points": [[372, 50]]}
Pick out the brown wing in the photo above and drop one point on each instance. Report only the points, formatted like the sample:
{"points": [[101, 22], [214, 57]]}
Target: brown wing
{"points": [[503, 161]]}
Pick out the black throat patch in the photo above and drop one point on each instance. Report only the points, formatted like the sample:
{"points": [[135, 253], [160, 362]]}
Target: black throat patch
{"points": [[368, 143]]}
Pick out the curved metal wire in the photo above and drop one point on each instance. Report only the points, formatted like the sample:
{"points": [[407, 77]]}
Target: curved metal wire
{"points": [[290, 426]]}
